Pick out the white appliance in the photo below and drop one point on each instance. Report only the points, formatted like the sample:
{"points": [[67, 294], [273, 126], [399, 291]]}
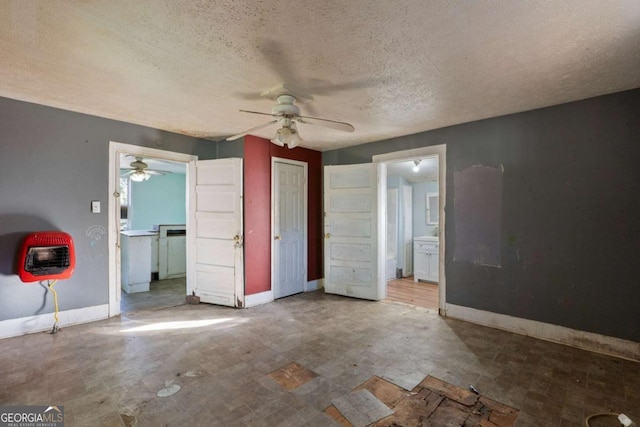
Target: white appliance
{"points": [[172, 251]]}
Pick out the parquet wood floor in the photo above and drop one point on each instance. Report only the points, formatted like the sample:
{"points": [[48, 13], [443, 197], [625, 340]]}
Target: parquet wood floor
{"points": [[415, 293]]}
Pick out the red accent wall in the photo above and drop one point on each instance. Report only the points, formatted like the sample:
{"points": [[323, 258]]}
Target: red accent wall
{"points": [[257, 210]]}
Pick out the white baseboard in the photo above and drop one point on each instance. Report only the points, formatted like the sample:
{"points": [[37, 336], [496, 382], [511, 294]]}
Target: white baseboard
{"points": [[268, 296], [43, 322], [314, 285], [584, 340], [258, 299]]}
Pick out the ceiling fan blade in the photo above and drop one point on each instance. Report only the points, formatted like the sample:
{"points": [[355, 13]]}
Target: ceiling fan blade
{"points": [[256, 112], [129, 172], [264, 125], [156, 172], [333, 124]]}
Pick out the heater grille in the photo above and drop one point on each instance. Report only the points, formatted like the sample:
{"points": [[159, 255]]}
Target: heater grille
{"points": [[43, 260]]}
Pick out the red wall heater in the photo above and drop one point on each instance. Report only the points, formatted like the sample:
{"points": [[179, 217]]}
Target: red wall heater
{"points": [[46, 255]]}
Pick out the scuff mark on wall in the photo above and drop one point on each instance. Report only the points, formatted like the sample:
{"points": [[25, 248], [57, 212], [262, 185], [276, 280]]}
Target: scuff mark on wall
{"points": [[512, 251], [478, 215], [95, 233]]}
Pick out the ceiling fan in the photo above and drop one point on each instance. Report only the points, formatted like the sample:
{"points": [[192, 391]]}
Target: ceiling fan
{"points": [[140, 171], [287, 114]]}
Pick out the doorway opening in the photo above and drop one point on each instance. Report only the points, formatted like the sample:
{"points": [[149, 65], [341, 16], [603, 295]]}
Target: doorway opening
{"points": [[414, 222], [148, 224]]}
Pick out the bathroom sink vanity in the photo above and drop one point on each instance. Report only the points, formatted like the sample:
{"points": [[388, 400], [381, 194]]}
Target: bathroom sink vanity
{"points": [[426, 258]]}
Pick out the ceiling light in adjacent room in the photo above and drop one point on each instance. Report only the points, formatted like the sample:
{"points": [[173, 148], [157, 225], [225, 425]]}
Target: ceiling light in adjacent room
{"points": [[416, 167], [139, 176]]}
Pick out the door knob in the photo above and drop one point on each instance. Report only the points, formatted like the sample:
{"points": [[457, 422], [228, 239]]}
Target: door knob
{"points": [[327, 235], [236, 238], [278, 237]]}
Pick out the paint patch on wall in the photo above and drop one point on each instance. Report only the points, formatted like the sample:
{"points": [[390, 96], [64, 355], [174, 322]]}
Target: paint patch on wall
{"points": [[477, 202]]}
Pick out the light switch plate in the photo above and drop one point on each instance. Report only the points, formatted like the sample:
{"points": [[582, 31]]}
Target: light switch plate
{"points": [[95, 206]]}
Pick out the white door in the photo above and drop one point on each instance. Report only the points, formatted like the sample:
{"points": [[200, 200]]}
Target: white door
{"points": [[354, 266], [289, 236], [215, 253]]}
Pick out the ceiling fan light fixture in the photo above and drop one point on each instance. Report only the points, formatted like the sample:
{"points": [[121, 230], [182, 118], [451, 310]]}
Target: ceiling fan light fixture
{"points": [[416, 167], [295, 139], [139, 176], [279, 138], [287, 135], [286, 113]]}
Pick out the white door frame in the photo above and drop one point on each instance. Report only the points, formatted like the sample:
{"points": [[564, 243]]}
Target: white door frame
{"points": [[305, 237], [115, 149], [435, 150]]}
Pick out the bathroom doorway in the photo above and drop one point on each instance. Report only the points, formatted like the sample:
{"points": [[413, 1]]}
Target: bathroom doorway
{"points": [[415, 226]]}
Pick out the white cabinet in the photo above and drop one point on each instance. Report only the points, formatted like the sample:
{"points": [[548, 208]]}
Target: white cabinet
{"points": [[143, 252], [425, 258], [135, 269]]}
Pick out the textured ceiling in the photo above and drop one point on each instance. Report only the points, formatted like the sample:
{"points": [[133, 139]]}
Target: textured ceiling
{"points": [[390, 68]]}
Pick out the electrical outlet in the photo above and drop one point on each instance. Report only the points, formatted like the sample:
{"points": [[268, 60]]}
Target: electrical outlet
{"points": [[95, 206]]}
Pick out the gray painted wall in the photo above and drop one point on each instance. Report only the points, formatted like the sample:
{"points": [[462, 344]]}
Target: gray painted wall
{"points": [[226, 149], [52, 164], [570, 228]]}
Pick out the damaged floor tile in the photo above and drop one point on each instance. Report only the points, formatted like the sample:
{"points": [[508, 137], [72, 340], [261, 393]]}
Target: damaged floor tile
{"points": [[437, 403], [361, 408], [292, 375]]}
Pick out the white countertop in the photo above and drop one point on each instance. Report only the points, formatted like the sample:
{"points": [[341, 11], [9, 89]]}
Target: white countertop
{"points": [[139, 233]]}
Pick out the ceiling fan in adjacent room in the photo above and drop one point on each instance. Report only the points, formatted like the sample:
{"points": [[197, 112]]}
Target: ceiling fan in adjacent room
{"points": [[139, 171], [286, 114]]}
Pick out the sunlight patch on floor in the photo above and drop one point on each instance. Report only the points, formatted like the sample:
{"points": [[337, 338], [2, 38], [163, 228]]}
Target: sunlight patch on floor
{"points": [[181, 324]]}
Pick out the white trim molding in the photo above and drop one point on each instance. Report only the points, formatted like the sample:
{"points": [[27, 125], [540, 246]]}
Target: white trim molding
{"points": [[314, 285], [258, 299], [113, 206], [268, 296], [43, 322], [580, 339], [441, 152]]}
